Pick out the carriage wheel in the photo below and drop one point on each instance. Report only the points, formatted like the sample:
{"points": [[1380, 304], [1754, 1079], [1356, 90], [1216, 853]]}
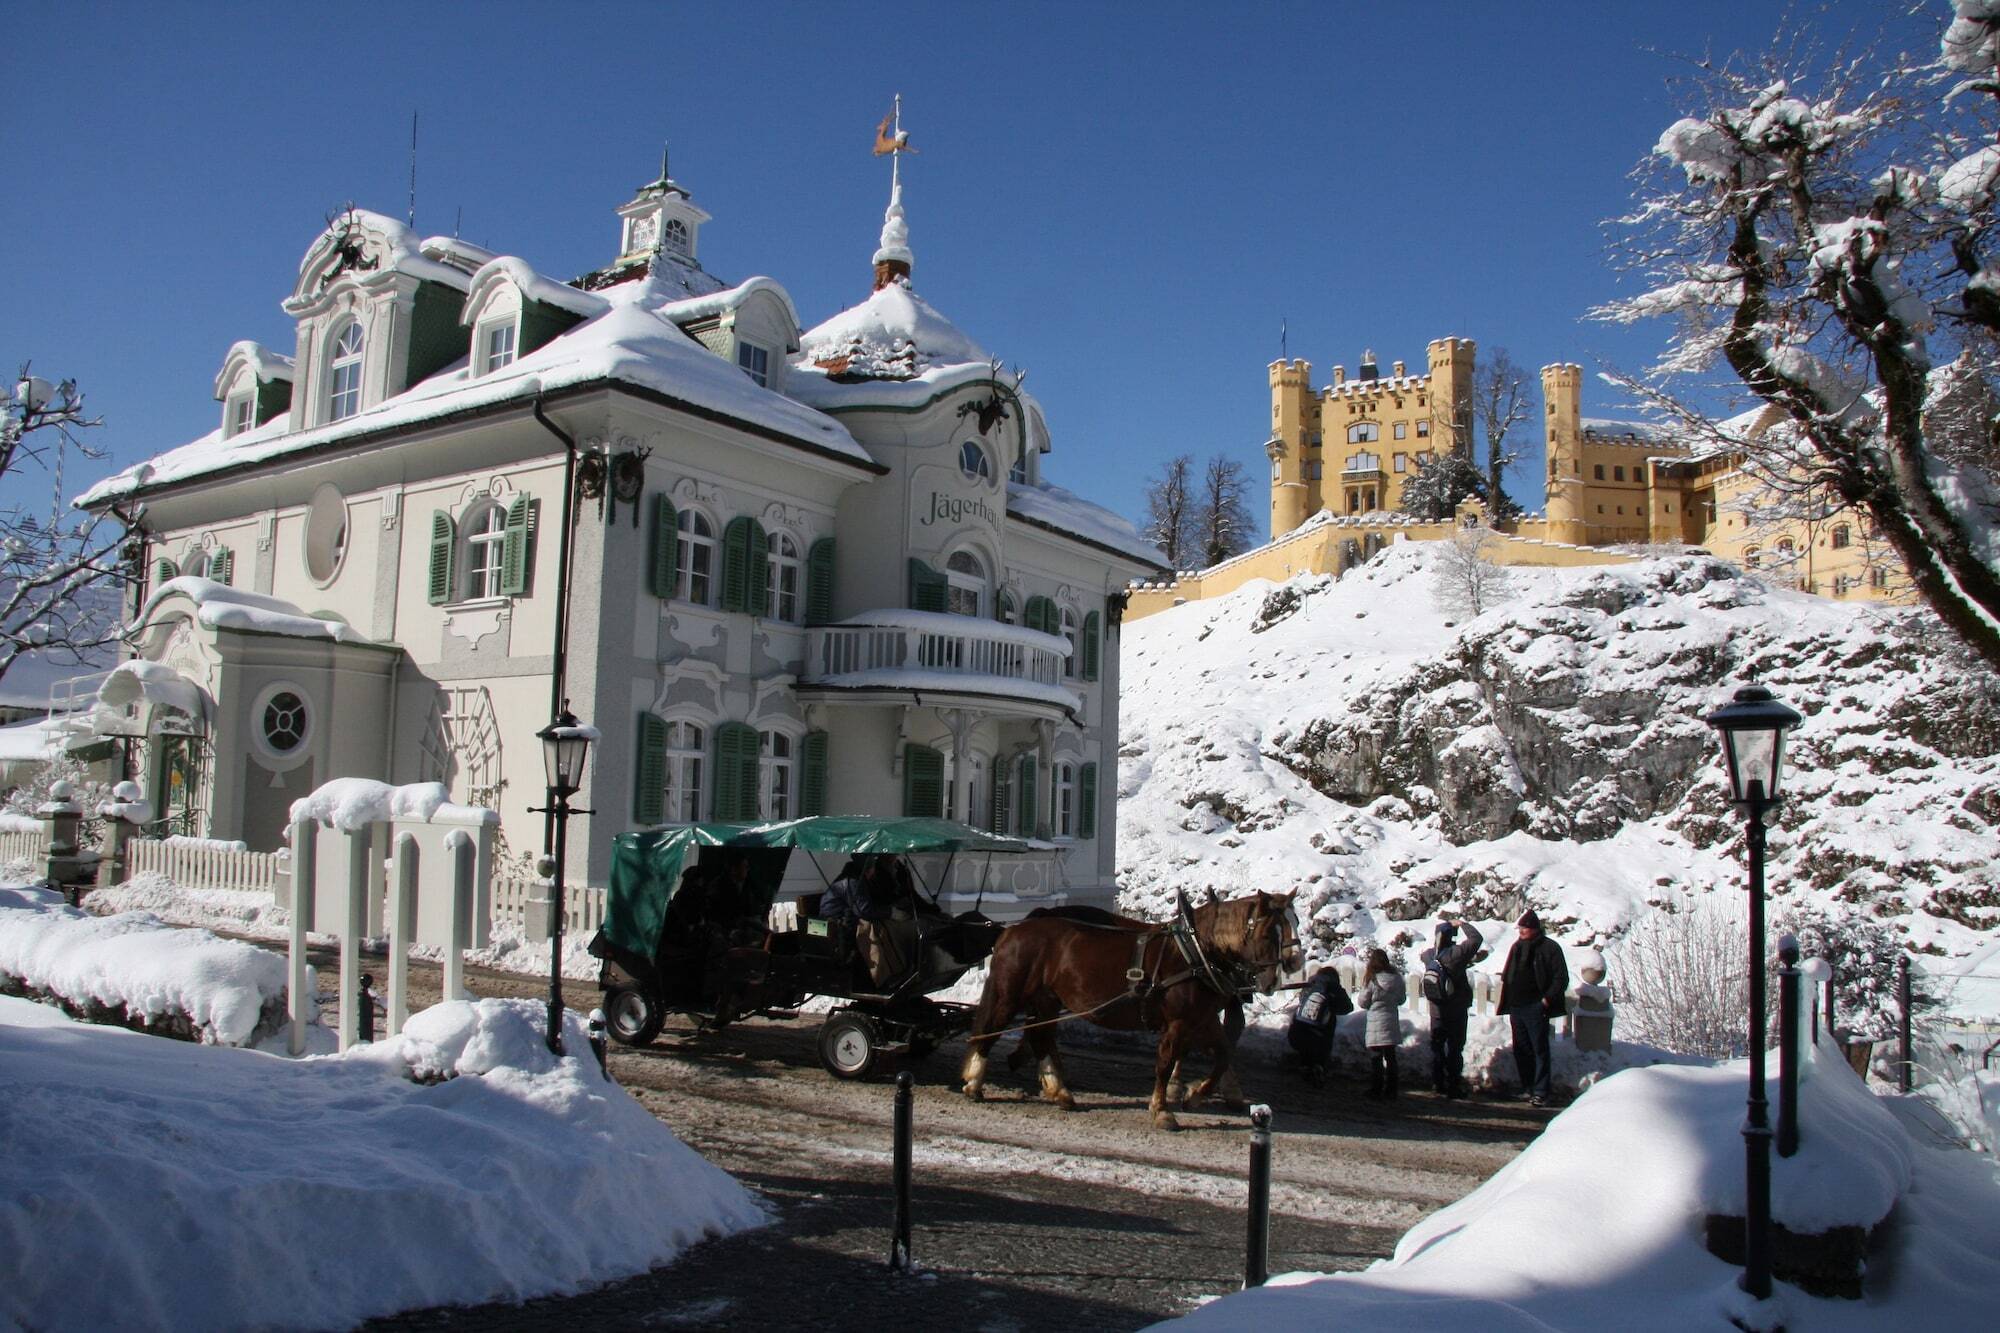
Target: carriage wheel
{"points": [[849, 1045], [633, 1017]]}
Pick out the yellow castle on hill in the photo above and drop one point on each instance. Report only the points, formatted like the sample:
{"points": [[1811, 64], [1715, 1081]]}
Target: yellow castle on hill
{"points": [[1341, 454]]}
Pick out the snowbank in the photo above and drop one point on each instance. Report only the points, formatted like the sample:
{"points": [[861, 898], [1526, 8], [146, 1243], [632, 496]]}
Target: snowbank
{"points": [[352, 803], [223, 1188], [156, 974], [1598, 1223]]}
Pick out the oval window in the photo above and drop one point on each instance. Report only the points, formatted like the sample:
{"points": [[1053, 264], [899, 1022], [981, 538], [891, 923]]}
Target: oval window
{"points": [[973, 463], [326, 534], [284, 722]]}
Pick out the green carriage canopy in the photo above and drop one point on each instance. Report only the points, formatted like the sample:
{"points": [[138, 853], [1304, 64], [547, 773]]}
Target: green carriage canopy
{"points": [[646, 867]]}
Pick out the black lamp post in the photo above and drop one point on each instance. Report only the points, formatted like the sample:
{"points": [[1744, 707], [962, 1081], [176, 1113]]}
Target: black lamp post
{"points": [[1753, 728], [565, 749]]}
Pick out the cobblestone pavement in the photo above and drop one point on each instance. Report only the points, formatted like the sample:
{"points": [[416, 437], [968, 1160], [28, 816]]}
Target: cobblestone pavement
{"points": [[1024, 1217]]}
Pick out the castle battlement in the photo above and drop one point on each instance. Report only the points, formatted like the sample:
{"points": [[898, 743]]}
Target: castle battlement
{"points": [[1295, 374]]}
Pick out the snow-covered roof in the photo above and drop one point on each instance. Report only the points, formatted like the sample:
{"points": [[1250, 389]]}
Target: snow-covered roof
{"points": [[457, 253], [38, 739], [397, 249], [1068, 513], [728, 298], [534, 287], [1637, 430], [140, 681], [630, 343], [266, 364], [894, 334], [220, 606]]}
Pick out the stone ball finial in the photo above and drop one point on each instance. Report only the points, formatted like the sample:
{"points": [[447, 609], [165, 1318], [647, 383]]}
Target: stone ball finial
{"points": [[1590, 966], [62, 790], [126, 791]]}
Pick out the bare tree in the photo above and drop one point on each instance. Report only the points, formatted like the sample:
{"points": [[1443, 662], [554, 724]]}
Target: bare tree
{"points": [[1500, 401], [1170, 509], [1222, 519], [1824, 229], [1465, 582], [48, 568], [1682, 980]]}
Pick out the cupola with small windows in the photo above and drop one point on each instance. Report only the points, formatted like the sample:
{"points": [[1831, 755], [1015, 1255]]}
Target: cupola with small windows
{"points": [[659, 235]]}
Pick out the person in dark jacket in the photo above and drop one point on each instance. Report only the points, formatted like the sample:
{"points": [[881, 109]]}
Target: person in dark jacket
{"points": [[1456, 944], [1320, 1006], [1534, 986]]}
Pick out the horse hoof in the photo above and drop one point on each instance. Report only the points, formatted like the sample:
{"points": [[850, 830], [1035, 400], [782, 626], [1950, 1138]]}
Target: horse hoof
{"points": [[1165, 1120], [975, 1091], [1066, 1102]]}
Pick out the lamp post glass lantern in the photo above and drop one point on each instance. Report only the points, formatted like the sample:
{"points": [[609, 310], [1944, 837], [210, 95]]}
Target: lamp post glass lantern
{"points": [[565, 751], [1752, 728]]}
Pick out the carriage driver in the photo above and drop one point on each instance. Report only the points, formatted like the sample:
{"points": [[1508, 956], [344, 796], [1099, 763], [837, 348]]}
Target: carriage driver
{"points": [[864, 896]]}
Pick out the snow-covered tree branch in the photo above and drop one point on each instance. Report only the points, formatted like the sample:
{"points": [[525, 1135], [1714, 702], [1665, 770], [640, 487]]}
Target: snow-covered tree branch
{"points": [[1826, 233], [48, 568]]}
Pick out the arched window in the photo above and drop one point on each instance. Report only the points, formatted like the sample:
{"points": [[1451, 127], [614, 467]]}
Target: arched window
{"points": [[965, 577], [1362, 432], [1843, 536], [1785, 549], [1065, 799], [972, 461], [784, 574], [1752, 557], [485, 536], [196, 564], [777, 784], [676, 236], [1069, 631], [343, 378], [696, 556], [685, 751]]}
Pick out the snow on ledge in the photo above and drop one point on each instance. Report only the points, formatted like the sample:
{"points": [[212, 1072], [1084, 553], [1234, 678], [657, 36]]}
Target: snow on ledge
{"points": [[220, 606], [965, 627], [352, 803]]}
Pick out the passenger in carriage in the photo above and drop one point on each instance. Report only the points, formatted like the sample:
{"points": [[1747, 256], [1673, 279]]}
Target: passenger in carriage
{"points": [[866, 896]]}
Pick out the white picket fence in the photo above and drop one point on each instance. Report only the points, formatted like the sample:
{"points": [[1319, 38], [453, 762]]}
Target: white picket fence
{"points": [[201, 863], [583, 908], [24, 843]]}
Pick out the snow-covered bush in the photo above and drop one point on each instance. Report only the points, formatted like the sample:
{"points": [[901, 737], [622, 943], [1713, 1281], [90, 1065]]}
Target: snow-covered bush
{"points": [[1684, 980], [1864, 952]]}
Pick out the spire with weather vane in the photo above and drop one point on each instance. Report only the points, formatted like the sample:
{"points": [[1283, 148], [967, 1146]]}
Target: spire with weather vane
{"points": [[893, 260]]}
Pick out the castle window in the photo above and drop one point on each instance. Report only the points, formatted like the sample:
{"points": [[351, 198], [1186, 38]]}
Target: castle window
{"points": [[497, 347], [1785, 548], [1618, 474], [1597, 471], [756, 362], [1423, 428], [1364, 462], [1402, 462], [1363, 432], [343, 383], [1878, 577], [1621, 510], [1751, 557], [1842, 535], [1600, 509], [1840, 585], [1402, 428]]}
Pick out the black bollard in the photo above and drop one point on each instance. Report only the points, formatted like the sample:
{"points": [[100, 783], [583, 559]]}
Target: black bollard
{"points": [[367, 1001], [1257, 1254], [1903, 1024], [1788, 1046], [600, 1045], [899, 1243]]}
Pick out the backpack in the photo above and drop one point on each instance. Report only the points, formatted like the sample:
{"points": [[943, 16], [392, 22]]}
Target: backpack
{"points": [[1440, 986], [1324, 1001]]}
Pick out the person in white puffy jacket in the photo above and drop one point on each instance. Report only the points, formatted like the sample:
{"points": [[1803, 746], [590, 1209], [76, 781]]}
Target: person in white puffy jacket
{"points": [[1382, 993]]}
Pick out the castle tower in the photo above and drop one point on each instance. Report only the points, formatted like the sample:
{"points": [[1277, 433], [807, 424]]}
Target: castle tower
{"points": [[1562, 417], [1292, 494], [1453, 363]]}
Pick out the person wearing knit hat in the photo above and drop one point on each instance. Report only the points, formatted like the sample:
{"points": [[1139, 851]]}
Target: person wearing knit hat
{"points": [[1534, 989]]}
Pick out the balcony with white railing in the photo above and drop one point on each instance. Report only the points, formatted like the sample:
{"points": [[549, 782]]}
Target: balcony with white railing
{"points": [[932, 652]]}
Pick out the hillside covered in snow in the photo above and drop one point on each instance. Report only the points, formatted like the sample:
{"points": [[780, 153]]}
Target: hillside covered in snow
{"points": [[1345, 738]]}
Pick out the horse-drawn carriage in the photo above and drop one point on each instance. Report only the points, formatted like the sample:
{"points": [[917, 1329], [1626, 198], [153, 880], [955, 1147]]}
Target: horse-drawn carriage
{"points": [[695, 923]]}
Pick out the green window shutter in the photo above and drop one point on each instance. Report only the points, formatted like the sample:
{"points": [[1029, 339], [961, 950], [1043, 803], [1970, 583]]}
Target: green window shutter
{"points": [[662, 563], [514, 547], [1086, 787], [735, 772], [819, 582], [746, 573], [162, 571], [442, 539], [1026, 812], [649, 784], [1090, 648], [1041, 615], [222, 565], [812, 774], [923, 782], [927, 588]]}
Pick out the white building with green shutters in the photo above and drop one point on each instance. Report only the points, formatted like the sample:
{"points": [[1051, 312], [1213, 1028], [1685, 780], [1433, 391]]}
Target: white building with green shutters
{"points": [[809, 571]]}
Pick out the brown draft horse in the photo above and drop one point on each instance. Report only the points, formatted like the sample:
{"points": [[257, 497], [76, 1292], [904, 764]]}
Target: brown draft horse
{"points": [[1082, 961]]}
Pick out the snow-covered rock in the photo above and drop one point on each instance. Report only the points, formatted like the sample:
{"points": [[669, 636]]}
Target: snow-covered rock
{"points": [[1342, 737]]}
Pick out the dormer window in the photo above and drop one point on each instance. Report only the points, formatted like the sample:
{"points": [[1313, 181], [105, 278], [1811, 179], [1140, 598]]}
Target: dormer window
{"points": [[240, 415], [497, 346], [343, 383], [756, 362]]}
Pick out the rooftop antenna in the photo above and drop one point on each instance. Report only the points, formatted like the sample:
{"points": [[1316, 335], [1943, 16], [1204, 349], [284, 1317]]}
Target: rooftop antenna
{"points": [[457, 221], [1284, 345], [413, 168]]}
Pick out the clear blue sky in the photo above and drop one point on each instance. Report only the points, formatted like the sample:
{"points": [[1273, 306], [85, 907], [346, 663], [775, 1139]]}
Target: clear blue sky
{"points": [[1124, 199]]}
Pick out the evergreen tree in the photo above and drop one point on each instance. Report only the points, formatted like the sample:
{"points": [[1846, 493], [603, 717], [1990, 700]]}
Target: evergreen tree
{"points": [[1442, 482]]}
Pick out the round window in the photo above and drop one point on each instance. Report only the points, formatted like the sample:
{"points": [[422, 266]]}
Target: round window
{"points": [[284, 722], [972, 462], [326, 534]]}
